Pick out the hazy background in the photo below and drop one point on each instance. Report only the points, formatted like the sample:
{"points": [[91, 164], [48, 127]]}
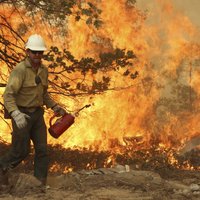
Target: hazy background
{"points": [[190, 8]]}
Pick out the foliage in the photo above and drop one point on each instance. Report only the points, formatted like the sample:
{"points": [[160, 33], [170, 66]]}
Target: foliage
{"points": [[63, 63], [57, 11]]}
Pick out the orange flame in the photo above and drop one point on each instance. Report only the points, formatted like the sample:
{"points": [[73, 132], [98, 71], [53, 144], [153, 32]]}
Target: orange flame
{"points": [[162, 104]]}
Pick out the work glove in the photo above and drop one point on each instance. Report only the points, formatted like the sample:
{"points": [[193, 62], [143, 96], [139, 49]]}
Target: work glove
{"points": [[20, 118], [58, 110]]}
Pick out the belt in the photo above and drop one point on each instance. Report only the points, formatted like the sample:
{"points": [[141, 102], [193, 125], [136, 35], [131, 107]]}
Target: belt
{"points": [[28, 109]]}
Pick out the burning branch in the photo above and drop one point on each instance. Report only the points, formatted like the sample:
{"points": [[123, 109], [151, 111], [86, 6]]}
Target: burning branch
{"points": [[63, 64], [9, 52]]}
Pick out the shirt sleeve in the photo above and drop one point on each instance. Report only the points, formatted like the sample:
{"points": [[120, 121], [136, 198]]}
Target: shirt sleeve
{"points": [[48, 101], [13, 86]]}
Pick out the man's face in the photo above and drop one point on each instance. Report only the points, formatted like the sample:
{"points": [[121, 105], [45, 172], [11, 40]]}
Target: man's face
{"points": [[35, 56]]}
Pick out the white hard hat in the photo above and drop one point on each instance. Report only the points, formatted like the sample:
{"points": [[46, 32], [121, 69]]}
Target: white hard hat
{"points": [[36, 43]]}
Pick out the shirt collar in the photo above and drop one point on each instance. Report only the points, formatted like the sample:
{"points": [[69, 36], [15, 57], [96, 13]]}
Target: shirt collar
{"points": [[28, 64]]}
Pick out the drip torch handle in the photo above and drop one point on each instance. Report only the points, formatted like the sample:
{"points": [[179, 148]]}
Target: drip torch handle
{"points": [[51, 119]]}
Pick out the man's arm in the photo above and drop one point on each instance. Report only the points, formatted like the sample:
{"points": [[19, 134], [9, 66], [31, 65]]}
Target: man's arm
{"points": [[13, 86]]}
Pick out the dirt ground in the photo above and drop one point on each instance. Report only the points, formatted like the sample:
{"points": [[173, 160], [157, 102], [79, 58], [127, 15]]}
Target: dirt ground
{"points": [[116, 183], [127, 179]]}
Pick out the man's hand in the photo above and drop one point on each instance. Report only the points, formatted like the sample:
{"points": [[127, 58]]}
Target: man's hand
{"points": [[58, 110], [20, 118]]}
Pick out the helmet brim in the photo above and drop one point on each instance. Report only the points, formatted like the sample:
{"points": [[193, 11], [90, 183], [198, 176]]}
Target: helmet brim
{"points": [[36, 49]]}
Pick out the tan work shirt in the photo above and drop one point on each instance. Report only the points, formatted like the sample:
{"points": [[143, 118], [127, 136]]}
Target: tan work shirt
{"points": [[22, 89]]}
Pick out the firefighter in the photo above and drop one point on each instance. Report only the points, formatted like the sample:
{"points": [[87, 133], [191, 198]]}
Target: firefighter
{"points": [[24, 97]]}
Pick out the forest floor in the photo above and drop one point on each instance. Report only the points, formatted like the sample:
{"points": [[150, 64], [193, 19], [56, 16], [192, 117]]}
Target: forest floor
{"points": [[126, 180]]}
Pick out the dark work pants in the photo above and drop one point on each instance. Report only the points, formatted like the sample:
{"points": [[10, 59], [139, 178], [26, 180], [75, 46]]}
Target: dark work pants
{"points": [[20, 146]]}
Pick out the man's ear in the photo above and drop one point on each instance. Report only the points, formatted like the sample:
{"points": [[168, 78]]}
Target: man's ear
{"points": [[27, 52]]}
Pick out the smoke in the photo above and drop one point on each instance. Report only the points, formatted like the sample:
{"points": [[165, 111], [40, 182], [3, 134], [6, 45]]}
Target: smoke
{"points": [[173, 40]]}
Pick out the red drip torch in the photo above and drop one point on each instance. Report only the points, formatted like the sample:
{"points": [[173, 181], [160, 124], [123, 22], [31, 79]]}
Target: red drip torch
{"points": [[62, 123]]}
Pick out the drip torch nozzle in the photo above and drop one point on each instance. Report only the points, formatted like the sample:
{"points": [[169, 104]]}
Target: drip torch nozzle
{"points": [[77, 112]]}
